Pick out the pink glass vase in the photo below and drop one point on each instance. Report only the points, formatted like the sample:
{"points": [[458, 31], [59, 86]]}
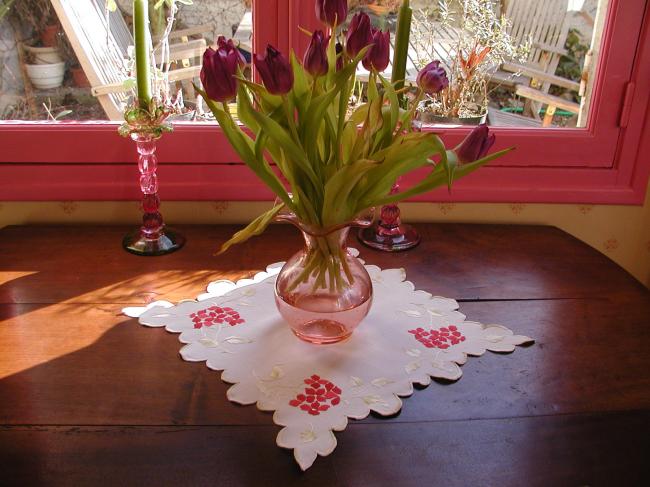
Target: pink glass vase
{"points": [[388, 233], [153, 237], [323, 291]]}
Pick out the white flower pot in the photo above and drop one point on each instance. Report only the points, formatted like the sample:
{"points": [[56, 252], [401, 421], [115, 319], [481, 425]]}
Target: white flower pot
{"points": [[44, 55], [46, 76]]}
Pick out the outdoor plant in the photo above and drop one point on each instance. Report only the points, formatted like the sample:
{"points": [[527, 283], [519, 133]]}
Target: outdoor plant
{"points": [[32, 15], [5, 7], [327, 167], [483, 44]]}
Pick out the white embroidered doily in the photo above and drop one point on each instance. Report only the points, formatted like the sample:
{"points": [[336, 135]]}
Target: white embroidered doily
{"points": [[408, 337]]}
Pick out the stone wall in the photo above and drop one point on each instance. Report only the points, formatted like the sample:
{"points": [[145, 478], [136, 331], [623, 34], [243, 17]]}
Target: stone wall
{"points": [[223, 15], [11, 82]]}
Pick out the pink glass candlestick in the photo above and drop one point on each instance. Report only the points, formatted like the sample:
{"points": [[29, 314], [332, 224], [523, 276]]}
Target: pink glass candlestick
{"points": [[152, 238], [388, 233]]}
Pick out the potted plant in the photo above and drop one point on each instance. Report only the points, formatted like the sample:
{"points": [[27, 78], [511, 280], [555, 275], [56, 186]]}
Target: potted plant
{"points": [[482, 45], [330, 169], [45, 76], [382, 8], [45, 67], [50, 34]]}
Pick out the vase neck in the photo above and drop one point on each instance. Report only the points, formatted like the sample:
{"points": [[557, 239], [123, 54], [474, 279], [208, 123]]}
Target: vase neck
{"points": [[334, 239]]}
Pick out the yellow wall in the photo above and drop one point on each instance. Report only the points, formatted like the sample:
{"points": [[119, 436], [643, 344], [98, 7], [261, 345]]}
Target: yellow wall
{"points": [[620, 232]]}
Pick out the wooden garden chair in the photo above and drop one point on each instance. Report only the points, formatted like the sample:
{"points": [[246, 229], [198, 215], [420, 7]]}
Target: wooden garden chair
{"points": [[546, 24], [102, 50]]}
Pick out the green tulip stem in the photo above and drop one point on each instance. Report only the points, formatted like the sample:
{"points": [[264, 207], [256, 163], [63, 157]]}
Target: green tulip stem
{"points": [[402, 46], [291, 119], [141, 37], [408, 119]]}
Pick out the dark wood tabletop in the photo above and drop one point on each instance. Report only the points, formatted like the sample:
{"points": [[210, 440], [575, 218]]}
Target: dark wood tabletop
{"points": [[90, 397]]}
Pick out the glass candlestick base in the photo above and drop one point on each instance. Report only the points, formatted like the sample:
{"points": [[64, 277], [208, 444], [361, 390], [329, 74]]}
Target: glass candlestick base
{"points": [[153, 237], [404, 237], [166, 243], [389, 233]]}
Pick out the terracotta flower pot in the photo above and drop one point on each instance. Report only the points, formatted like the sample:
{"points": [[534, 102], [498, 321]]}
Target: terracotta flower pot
{"points": [[79, 77], [49, 35], [427, 117], [379, 10]]}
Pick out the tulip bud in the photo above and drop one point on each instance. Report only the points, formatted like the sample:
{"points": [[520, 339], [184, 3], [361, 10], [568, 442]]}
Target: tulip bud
{"points": [[315, 60], [476, 145], [331, 12], [229, 46], [359, 34], [433, 78], [218, 74], [378, 56], [275, 70]]}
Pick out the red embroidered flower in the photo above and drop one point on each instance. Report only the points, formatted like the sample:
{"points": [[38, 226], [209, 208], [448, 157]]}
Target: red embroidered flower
{"points": [[319, 395], [216, 315], [442, 338]]}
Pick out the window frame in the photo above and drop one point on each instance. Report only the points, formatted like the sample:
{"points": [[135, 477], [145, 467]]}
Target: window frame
{"points": [[602, 163]]}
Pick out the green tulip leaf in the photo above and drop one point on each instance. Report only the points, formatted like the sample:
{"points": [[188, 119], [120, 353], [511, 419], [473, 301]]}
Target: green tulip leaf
{"points": [[256, 227]]}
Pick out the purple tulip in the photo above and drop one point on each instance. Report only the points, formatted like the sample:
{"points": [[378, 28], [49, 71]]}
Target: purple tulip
{"points": [[378, 56], [218, 74], [359, 34], [315, 61], [331, 12], [275, 70], [476, 145], [433, 78], [229, 46]]}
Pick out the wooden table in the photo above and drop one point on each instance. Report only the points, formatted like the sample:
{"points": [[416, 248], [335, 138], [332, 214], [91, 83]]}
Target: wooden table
{"points": [[89, 397]]}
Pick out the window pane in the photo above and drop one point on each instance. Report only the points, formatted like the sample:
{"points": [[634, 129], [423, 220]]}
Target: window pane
{"points": [[54, 51], [519, 61]]}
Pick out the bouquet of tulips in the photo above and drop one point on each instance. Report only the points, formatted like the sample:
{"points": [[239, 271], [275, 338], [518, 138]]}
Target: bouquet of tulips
{"points": [[325, 163]]}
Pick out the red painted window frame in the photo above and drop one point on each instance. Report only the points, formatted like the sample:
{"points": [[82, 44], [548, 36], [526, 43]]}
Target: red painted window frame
{"points": [[602, 163]]}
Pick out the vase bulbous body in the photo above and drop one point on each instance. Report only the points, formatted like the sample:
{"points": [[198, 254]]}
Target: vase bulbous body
{"points": [[323, 292]]}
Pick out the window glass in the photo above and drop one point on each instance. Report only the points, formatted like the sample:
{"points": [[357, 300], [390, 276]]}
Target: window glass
{"points": [[72, 60], [519, 63]]}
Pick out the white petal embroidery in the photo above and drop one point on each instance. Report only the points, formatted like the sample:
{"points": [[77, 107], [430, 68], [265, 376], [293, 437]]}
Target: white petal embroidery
{"points": [[356, 381], [412, 367], [308, 436], [411, 313], [276, 373], [237, 340]]}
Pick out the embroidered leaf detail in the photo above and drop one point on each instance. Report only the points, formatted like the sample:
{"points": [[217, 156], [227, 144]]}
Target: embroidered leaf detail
{"points": [[209, 342], [435, 313], [355, 381], [494, 338], [248, 292], [382, 381], [373, 399], [411, 313], [437, 364], [237, 340], [413, 352], [161, 315]]}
